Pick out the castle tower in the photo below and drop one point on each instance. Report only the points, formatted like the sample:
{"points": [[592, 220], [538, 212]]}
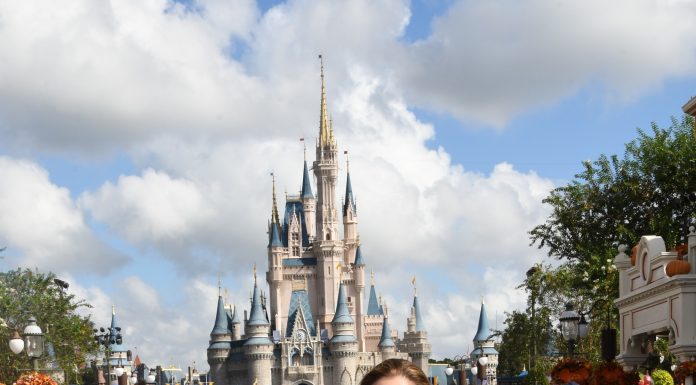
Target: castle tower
{"points": [[119, 351], [415, 341], [219, 346], [343, 345], [350, 219], [275, 261], [484, 346], [386, 343], [258, 348], [308, 200], [328, 249], [373, 319], [359, 275], [235, 325]]}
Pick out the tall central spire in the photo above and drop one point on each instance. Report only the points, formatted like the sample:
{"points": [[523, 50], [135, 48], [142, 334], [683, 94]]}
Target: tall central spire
{"points": [[274, 213], [325, 130]]}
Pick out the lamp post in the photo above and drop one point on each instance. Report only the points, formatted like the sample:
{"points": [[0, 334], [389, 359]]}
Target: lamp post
{"points": [[33, 342], [574, 326], [570, 326], [106, 338]]}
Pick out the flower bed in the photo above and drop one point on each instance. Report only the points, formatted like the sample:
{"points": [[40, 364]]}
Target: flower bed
{"points": [[569, 371], [35, 379], [611, 373], [685, 369]]}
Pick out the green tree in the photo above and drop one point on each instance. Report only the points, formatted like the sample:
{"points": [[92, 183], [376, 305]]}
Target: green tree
{"points": [[26, 293], [615, 200]]}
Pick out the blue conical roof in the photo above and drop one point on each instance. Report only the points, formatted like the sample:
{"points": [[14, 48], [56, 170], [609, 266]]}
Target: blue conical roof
{"points": [[115, 330], [358, 257], [484, 332], [306, 185], [235, 317], [220, 319], [257, 316], [385, 341], [350, 200], [373, 307], [275, 236], [342, 314], [420, 326]]}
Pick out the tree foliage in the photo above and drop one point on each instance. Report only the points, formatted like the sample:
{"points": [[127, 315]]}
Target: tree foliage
{"points": [[26, 293], [613, 200], [617, 200]]}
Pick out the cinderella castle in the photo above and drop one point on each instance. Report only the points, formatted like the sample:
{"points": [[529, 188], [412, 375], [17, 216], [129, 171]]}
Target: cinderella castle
{"points": [[313, 327]]}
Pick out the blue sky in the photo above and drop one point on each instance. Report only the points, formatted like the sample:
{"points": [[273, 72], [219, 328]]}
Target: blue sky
{"points": [[139, 137]]}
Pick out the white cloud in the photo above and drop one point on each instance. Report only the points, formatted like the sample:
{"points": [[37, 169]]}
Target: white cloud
{"points": [[41, 222], [493, 60]]}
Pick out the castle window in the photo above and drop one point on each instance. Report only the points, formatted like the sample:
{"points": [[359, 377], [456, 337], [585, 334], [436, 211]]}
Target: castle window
{"points": [[295, 237], [349, 299], [296, 251]]}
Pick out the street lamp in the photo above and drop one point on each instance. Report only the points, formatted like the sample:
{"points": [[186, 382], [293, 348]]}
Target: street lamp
{"points": [[574, 326], [570, 320], [33, 341], [106, 338]]}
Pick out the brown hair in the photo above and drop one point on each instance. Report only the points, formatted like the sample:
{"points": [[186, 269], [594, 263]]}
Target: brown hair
{"points": [[396, 367]]}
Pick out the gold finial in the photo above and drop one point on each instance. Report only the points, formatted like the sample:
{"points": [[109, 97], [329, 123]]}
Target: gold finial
{"points": [[274, 210], [482, 300], [325, 134], [219, 286], [413, 282], [113, 309], [372, 277], [345, 152], [254, 270]]}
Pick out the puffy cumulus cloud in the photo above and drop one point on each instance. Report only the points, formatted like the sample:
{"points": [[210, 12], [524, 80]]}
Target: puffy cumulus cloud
{"points": [[492, 60], [153, 207], [41, 222], [87, 75], [150, 322], [111, 73]]}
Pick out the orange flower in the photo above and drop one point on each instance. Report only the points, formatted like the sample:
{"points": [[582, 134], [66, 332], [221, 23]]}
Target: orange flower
{"points": [[35, 379]]}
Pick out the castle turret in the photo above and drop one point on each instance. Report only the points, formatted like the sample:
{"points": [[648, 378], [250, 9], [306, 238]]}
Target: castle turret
{"points": [[359, 278], [386, 343], [118, 350], [219, 347], [274, 276], [258, 348], [415, 341], [308, 202], [484, 346], [350, 219], [235, 325], [343, 345]]}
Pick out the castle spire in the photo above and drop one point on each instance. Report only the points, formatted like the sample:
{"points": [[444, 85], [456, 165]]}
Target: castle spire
{"points": [[420, 326], [306, 185], [274, 212], [349, 200], [274, 239], [325, 130], [483, 332], [342, 314], [257, 316], [385, 340], [220, 326]]}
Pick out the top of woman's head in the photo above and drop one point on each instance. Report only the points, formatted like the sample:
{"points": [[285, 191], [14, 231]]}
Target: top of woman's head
{"points": [[396, 368]]}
